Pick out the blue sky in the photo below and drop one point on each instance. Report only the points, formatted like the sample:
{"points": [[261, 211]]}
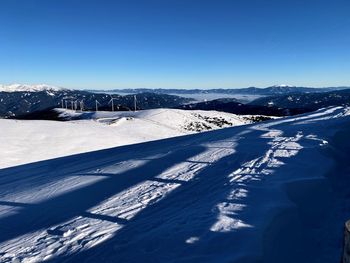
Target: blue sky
{"points": [[175, 43]]}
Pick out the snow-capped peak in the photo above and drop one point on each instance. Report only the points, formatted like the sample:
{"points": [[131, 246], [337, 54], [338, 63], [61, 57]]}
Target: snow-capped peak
{"points": [[30, 88], [283, 86]]}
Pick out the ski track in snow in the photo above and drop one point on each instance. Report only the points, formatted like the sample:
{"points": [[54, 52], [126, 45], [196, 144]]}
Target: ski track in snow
{"points": [[224, 169]]}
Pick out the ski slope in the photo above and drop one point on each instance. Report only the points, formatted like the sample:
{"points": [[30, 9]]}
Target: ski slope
{"points": [[265, 192], [29, 141]]}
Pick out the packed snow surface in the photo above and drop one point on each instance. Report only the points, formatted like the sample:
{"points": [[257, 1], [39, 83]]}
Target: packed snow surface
{"points": [[28, 141], [255, 193]]}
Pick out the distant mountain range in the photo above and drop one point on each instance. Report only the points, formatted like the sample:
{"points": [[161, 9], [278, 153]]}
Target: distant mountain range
{"points": [[269, 91], [14, 103], [278, 105], [232, 106], [17, 101], [30, 88], [308, 101]]}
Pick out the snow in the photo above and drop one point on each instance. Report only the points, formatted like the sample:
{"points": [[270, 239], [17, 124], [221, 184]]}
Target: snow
{"points": [[243, 194], [29, 88], [97, 131], [283, 86]]}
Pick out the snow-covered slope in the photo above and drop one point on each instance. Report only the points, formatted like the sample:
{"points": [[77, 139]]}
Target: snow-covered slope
{"points": [[28, 141], [265, 192], [28, 88]]}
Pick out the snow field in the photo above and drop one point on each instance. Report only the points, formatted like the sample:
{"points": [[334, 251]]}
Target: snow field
{"points": [[241, 194]]}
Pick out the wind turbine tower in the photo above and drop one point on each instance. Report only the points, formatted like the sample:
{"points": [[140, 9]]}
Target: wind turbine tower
{"points": [[135, 103], [97, 103], [112, 101]]}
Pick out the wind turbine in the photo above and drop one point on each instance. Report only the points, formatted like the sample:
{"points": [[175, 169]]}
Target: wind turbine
{"points": [[82, 105], [97, 103], [76, 105], [135, 103], [112, 100]]}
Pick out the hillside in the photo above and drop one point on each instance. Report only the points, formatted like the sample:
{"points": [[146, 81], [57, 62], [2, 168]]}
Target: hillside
{"points": [[89, 131], [266, 192]]}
